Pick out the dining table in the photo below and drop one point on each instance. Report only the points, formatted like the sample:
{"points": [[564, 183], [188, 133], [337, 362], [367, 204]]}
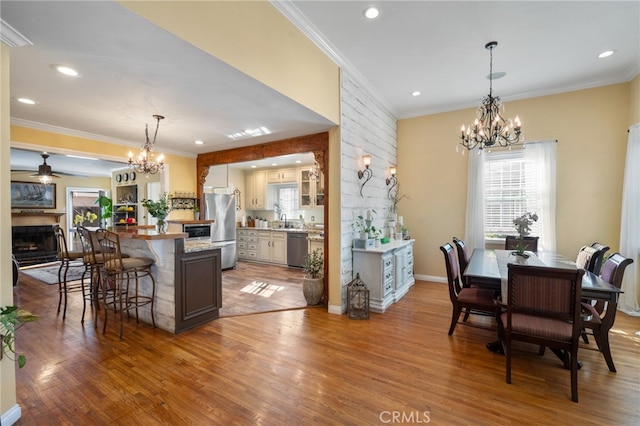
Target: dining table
{"points": [[488, 269]]}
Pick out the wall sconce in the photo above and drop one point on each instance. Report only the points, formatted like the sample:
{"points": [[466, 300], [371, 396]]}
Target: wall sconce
{"points": [[392, 182], [366, 173]]}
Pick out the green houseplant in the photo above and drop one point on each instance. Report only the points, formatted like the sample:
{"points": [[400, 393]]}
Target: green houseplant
{"points": [[313, 282], [160, 210], [523, 226], [12, 318], [106, 207]]}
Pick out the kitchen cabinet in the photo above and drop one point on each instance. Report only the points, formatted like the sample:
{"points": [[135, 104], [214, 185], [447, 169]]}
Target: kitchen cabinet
{"points": [[311, 191], [315, 243], [198, 287], [247, 244], [255, 187], [272, 247], [282, 176], [386, 270]]}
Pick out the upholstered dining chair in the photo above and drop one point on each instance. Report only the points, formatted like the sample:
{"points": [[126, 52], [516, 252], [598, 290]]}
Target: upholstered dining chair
{"points": [[463, 258], [68, 259], [118, 272], [530, 243], [543, 308], [471, 299], [598, 258], [599, 316]]}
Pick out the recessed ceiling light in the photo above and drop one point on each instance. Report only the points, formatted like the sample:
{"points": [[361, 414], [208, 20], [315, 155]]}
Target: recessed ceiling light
{"points": [[254, 166], [199, 143], [26, 101], [606, 54], [416, 93], [371, 12], [274, 164], [298, 161], [65, 70]]}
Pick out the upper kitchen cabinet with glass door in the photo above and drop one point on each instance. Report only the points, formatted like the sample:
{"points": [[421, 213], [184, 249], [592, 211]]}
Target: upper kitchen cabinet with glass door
{"points": [[311, 189]]}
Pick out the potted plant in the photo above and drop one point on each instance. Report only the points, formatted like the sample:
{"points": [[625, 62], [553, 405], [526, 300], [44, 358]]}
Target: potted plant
{"points": [[196, 212], [106, 208], [12, 318], [160, 210], [523, 226], [313, 282]]}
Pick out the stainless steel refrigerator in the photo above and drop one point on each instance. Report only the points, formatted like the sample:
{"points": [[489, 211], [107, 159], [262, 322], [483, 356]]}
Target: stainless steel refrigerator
{"points": [[222, 209]]}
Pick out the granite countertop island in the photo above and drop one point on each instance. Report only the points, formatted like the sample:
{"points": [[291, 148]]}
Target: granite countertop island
{"points": [[187, 274]]}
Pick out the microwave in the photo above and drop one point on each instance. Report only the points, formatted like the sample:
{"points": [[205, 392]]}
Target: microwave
{"points": [[197, 231]]}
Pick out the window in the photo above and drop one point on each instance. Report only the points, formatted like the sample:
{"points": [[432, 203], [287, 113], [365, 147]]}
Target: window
{"points": [[512, 187], [287, 196]]}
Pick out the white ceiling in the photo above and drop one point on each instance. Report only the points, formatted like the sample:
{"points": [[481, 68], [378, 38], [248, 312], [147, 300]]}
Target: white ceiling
{"points": [[130, 69]]}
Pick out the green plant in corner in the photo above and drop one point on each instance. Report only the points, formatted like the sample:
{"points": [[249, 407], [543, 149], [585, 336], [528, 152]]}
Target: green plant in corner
{"points": [[313, 263], [106, 207], [12, 318]]}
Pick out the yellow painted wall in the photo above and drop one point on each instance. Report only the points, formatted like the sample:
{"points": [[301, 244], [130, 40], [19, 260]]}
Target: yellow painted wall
{"points": [[591, 128], [7, 367], [257, 39]]}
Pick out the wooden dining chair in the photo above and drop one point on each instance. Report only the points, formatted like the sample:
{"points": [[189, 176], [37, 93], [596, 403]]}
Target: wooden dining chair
{"points": [[543, 308], [463, 258], [599, 316], [471, 299], [530, 243], [598, 257]]}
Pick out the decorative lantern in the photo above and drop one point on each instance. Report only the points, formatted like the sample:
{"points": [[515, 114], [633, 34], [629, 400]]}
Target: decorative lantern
{"points": [[357, 299]]}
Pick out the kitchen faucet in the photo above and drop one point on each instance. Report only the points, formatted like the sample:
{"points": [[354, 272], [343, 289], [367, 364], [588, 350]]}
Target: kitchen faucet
{"points": [[285, 219]]}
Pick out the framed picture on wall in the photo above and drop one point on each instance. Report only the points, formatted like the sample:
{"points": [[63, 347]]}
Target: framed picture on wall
{"points": [[33, 195]]}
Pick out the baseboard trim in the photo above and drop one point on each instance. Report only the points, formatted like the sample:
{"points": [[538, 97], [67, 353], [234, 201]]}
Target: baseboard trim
{"points": [[430, 278], [11, 416], [336, 310]]}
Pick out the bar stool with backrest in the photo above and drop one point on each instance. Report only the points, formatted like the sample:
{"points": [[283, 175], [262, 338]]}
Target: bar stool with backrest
{"points": [[68, 259], [599, 316], [118, 272], [92, 261]]}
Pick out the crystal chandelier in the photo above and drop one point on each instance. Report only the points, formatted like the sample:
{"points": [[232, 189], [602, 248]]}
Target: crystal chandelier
{"points": [[146, 161], [490, 128]]}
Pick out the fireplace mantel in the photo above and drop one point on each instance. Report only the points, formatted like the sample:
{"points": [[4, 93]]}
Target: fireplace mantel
{"points": [[27, 218]]}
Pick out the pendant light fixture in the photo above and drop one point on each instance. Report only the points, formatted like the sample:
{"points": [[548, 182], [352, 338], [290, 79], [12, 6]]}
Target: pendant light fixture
{"points": [[490, 128], [146, 161]]}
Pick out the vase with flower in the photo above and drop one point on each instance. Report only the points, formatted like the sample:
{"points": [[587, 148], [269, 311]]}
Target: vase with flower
{"points": [[523, 226], [160, 210]]}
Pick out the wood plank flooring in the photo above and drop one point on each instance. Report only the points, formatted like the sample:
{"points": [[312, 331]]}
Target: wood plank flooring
{"points": [[306, 366], [258, 287]]}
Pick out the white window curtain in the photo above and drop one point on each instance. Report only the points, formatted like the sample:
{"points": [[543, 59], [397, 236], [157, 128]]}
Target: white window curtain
{"points": [[540, 165], [474, 219], [630, 224], [541, 156]]}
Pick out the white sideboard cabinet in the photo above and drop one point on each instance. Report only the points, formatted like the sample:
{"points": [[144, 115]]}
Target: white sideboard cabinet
{"points": [[387, 271]]}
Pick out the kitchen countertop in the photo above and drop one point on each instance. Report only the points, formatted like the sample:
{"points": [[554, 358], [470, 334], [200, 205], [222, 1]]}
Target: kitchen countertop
{"points": [[299, 230]]}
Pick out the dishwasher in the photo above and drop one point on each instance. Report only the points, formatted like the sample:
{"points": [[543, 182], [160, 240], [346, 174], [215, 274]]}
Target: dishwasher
{"points": [[296, 248]]}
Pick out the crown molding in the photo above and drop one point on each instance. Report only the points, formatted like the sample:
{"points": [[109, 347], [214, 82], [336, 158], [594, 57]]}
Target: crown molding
{"points": [[297, 18], [11, 37], [92, 136]]}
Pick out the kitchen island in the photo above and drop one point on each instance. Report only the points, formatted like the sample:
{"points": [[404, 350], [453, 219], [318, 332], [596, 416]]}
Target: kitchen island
{"points": [[188, 277]]}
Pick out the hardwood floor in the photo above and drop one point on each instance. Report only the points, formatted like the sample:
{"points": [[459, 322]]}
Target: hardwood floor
{"points": [[306, 366], [258, 287]]}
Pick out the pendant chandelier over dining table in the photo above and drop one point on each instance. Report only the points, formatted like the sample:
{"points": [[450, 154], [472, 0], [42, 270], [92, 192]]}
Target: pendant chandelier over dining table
{"points": [[490, 128], [146, 161]]}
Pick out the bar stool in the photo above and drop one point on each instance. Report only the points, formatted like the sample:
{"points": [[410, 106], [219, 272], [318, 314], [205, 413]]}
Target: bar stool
{"points": [[117, 273], [92, 260], [68, 259]]}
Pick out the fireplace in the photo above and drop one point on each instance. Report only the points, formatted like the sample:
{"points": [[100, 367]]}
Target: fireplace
{"points": [[34, 244]]}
